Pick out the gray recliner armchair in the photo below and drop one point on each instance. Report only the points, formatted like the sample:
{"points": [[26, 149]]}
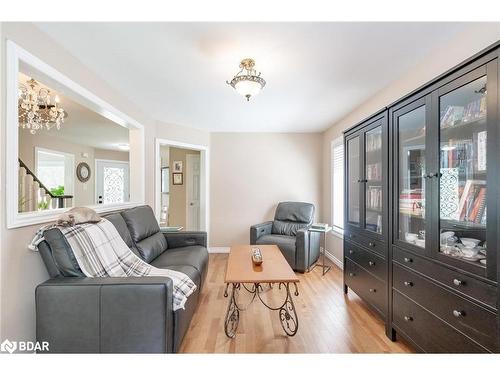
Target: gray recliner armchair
{"points": [[289, 231]]}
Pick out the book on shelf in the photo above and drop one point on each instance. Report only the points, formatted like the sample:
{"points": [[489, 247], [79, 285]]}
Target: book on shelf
{"points": [[458, 115], [411, 202], [472, 203]]}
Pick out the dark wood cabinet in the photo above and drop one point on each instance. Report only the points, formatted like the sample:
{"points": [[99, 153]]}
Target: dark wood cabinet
{"points": [[366, 216], [439, 213]]}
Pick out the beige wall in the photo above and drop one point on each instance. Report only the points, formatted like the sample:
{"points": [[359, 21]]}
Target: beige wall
{"points": [[462, 47], [100, 153], [251, 172], [177, 196]]}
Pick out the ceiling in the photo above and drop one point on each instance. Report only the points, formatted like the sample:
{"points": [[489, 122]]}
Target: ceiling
{"points": [[84, 126], [316, 73]]}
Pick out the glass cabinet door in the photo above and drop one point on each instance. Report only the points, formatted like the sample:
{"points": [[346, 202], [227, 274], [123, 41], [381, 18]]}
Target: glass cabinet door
{"points": [[373, 180], [353, 176], [411, 157], [463, 173]]}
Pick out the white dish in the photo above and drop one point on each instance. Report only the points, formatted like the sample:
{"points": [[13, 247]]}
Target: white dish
{"points": [[483, 262], [420, 242], [446, 235], [470, 242], [474, 258], [411, 237]]}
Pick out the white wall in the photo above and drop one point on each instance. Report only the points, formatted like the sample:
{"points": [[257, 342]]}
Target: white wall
{"points": [[462, 47], [251, 172]]}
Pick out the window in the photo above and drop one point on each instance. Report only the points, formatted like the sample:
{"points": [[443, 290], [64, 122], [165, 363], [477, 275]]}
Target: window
{"points": [[337, 163], [55, 169]]}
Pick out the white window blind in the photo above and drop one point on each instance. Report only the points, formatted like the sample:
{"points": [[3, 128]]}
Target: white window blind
{"points": [[338, 185]]}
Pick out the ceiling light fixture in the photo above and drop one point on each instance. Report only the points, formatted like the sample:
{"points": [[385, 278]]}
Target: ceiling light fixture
{"points": [[247, 81], [37, 110]]}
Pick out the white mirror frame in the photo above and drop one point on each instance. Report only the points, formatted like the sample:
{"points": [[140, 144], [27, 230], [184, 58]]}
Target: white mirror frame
{"points": [[14, 56]]}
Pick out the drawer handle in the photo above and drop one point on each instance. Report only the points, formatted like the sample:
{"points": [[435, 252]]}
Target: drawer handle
{"points": [[373, 290], [408, 260], [352, 274], [408, 318], [351, 251], [458, 314], [371, 244], [458, 282], [408, 283], [370, 263]]}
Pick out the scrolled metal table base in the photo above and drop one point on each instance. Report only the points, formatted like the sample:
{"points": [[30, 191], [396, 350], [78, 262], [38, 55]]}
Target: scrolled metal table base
{"points": [[287, 313]]}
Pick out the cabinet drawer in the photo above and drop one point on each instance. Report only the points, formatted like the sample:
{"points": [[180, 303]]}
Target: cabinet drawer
{"points": [[427, 331], [376, 246], [367, 286], [469, 318], [366, 259], [473, 288]]}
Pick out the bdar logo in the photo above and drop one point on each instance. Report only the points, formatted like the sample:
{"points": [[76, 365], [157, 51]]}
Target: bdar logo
{"points": [[8, 346]]}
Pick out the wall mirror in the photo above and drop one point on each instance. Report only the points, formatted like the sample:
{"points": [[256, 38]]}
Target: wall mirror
{"points": [[68, 148]]}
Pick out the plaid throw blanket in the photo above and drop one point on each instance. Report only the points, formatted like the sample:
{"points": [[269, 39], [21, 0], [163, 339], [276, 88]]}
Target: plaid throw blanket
{"points": [[100, 251]]}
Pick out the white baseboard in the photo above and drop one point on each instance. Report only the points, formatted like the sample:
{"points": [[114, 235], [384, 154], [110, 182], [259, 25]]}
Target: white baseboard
{"points": [[335, 260], [219, 250]]}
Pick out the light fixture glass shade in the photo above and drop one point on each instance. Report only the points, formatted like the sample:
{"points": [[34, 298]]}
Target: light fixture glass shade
{"points": [[247, 82], [248, 88]]}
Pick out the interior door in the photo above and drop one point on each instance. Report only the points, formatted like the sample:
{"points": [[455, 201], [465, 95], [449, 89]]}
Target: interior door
{"points": [[193, 192], [112, 182]]}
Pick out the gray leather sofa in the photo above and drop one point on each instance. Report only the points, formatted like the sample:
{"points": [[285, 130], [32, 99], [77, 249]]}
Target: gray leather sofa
{"points": [[78, 314], [289, 232]]}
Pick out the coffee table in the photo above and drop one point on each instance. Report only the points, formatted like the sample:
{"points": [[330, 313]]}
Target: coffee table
{"points": [[243, 275]]}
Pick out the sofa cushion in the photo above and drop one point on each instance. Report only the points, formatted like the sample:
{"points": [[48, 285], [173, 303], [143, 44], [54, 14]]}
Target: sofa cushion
{"points": [[145, 232], [295, 211], [194, 256], [285, 243], [292, 216], [119, 222], [287, 228], [62, 254]]}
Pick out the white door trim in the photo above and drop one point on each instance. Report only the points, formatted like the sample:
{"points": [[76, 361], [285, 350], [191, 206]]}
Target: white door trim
{"points": [[187, 182], [204, 178]]}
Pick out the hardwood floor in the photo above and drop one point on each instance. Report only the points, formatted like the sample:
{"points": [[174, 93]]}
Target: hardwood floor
{"points": [[329, 321]]}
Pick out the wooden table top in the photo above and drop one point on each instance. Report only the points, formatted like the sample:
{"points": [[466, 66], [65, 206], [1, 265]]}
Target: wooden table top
{"points": [[274, 268]]}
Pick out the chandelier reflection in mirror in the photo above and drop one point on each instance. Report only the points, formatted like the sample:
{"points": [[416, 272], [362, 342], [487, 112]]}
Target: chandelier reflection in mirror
{"points": [[37, 109], [247, 81]]}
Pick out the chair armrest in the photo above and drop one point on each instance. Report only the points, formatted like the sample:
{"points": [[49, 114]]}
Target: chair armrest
{"points": [[105, 315], [305, 257], [259, 230], [181, 239]]}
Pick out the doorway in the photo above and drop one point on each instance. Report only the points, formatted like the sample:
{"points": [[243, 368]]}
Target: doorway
{"points": [[112, 181], [181, 194]]}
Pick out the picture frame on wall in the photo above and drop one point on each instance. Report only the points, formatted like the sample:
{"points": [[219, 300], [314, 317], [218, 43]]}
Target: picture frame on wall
{"points": [[164, 180], [177, 179], [178, 166]]}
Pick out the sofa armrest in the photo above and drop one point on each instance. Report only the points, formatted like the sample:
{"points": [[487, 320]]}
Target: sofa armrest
{"points": [[105, 315], [305, 257], [181, 239], [259, 230]]}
